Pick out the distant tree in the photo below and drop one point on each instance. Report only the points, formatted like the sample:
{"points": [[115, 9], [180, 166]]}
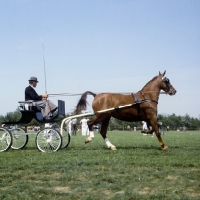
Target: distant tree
{"points": [[11, 116], [187, 121], [194, 124], [172, 121]]}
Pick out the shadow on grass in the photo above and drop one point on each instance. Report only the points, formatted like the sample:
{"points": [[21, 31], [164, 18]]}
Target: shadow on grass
{"points": [[139, 147]]}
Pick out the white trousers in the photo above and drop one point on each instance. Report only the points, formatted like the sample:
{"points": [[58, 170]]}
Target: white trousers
{"points": [[85, 130]]}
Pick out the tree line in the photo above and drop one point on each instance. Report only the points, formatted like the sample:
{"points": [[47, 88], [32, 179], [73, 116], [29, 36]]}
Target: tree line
{"points": [[173, 121]]}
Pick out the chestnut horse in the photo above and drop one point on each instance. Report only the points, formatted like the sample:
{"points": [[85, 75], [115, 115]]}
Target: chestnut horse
{"points": [[141, 106]]}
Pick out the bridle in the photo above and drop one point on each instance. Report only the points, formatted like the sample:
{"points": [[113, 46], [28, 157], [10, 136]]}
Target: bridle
{"points": [[167, 83]]}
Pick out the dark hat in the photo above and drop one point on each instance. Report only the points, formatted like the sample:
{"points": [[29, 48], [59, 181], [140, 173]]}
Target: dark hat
{"points": [[33, 79]]}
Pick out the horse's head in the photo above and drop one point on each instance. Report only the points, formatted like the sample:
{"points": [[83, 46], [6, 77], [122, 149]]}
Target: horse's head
{"points": [[166, 85]]}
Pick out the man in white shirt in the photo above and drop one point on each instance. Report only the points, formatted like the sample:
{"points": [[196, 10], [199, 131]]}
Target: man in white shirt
{"points": [[84, 126], [144, 127]]}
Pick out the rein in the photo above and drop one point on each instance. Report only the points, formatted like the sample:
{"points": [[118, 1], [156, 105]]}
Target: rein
{"points": [[64, 94], [71, 94]]}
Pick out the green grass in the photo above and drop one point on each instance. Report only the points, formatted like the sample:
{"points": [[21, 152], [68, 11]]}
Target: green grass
{"points": [[139, 169]]}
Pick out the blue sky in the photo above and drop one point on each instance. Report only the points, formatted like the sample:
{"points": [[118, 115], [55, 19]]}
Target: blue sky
{"points": [[101, 46]]}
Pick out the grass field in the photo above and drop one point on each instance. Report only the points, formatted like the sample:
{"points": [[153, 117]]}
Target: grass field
{"points": [[139, 169]]}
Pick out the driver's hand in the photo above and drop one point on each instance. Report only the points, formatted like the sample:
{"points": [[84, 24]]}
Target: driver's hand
{"points": [[44, 96]]}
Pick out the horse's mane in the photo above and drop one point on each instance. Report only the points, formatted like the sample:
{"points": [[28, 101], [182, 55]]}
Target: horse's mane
{"points": [[150, 81]]}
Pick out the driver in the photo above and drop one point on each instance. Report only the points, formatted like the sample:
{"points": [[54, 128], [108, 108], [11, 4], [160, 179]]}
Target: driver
{"points": [[47, 107]]}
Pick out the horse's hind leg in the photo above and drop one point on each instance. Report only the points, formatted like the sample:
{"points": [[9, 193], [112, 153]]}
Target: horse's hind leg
{"points": [[98, 118], [104, 118], [103, 132]]}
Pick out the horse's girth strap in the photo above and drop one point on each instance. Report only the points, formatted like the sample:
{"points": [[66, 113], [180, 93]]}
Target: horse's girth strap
{"points": [[135, 98], [137, 102]]}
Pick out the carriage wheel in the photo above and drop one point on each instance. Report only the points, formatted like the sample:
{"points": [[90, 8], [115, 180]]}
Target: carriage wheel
{"points": [[20, 139], [48, 140], [5, 139], [65, 139]]}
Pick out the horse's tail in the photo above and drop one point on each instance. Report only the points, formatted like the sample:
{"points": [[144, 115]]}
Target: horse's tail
{"points": [[82, 103]]}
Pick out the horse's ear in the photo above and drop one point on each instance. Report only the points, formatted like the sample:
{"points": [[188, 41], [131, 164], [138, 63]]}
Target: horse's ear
{"points": [[160, 74]]}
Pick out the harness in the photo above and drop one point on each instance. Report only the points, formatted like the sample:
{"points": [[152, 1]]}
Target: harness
{"points": [[138, 102]]}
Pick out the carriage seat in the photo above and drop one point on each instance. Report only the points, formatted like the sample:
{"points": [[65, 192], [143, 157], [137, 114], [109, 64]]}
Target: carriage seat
{"points": [[28, 106], [30, 110]]}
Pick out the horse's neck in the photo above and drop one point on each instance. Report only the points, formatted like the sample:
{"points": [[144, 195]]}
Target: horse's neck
{"points": [[152, 89]]}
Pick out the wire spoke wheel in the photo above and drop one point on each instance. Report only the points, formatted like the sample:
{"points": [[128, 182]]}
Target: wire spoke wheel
{"points": [[5, 139], [20, 138], [48, 140]]}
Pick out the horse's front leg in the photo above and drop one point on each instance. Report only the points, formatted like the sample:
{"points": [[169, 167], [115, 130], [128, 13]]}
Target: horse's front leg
{"points": [[155, 129], [148, 130]]}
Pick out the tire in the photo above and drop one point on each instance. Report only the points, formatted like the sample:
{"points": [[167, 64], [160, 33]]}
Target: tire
{"points": [[65, 139], [20, 139], [5, 139], [48, 140]]}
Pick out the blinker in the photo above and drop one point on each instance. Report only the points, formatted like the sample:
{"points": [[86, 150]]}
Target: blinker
{"points": [[166, 80]]}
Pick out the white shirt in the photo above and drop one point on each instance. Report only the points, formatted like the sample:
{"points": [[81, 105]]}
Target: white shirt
{"points": [[84, 122], [74, 121], [144, 125]]}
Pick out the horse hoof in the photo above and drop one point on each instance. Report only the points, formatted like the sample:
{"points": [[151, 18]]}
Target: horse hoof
{"points": [[166, 149], [87, 140], [113, 148]]}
